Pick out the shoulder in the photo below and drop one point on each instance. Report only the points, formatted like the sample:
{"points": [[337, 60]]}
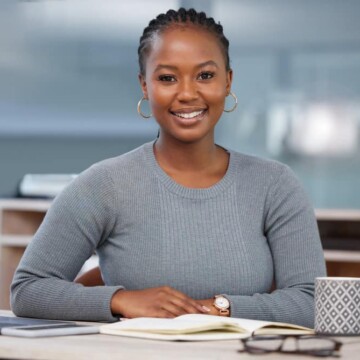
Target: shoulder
{"points": [[254, 167], [265, 178], [129, 160], [123, 167], [98, 188], [104, 176]]}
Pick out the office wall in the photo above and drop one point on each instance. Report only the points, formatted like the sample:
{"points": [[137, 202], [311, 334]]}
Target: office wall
{"points": [[69, 88], [71, 155]]}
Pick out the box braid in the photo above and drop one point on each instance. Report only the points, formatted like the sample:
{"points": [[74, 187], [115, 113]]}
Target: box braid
{"points": [[180, 17]]}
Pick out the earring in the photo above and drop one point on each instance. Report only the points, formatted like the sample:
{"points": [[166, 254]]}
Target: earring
{"points": [[139, 109], [235, 104]]}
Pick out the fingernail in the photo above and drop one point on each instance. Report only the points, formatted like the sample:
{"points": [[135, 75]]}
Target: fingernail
{"points": [[205, 308]]}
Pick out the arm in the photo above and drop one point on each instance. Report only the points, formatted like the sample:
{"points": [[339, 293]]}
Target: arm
{"points": [[79, 220], [292, 235], [158, 302]]}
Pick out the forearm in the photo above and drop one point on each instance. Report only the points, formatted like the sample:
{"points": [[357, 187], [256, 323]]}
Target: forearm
{"points": [[53, 298], [291, 305]]}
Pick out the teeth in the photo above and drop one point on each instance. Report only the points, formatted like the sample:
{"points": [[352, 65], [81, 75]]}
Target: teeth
{"points": [[189, 115]]}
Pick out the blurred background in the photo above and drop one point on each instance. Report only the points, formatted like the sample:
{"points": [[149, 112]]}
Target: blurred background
{"points": [[69, 88]]}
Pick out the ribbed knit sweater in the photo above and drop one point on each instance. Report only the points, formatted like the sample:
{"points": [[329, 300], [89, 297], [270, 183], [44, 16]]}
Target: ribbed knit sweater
{"points": [[254, 227]]}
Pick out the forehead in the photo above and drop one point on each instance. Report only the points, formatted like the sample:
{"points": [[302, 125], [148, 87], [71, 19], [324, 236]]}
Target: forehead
{"points": [[185, 44]]}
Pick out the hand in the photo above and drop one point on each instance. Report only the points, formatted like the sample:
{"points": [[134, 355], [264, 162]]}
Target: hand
{"points": [[163, 302], [209, 303]]}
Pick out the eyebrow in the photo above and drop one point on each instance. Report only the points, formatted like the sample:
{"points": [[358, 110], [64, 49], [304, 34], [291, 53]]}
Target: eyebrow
{"points": [[171, 67]]}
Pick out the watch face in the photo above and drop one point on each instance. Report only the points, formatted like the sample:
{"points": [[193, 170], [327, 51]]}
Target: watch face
{"points": [[222, 302]]}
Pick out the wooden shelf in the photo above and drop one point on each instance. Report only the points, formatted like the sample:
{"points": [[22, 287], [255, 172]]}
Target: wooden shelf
{"points": [[40, 205], [19, 220], [337, 215], [340, 237], [342, 256], [15, 240]]}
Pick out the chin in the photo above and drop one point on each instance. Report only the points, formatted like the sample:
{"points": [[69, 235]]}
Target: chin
{"points": [[192, 138]]}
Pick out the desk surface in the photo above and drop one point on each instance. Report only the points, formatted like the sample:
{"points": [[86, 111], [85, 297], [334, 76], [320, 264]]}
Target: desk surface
{"points": [[116, 347]]}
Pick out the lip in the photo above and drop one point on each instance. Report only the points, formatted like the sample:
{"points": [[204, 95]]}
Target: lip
{"points": [[188, 121], [188, 110]]}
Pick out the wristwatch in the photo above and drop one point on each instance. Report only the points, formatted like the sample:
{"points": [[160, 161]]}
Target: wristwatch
{"points": [[222, 304]]}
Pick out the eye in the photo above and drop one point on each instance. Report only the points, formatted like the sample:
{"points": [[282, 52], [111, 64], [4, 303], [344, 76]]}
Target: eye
{"points": [[206, 75], [167, 78]]}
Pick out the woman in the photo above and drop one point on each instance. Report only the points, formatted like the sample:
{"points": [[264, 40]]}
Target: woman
{"points": [[181, 224]]}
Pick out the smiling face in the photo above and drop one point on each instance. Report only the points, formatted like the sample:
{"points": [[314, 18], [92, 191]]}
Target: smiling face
{"points": [[186, 83]]}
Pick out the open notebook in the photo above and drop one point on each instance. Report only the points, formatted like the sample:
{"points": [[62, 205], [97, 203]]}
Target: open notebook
{"points": [[197, 327]]}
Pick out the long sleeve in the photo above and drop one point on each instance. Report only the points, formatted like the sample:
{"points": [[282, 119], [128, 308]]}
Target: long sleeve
{"points": [[292, 235], [232, 238], [79, 220]]}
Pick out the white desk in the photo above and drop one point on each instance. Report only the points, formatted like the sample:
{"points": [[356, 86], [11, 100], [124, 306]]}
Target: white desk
{"points": [[107, 347]]}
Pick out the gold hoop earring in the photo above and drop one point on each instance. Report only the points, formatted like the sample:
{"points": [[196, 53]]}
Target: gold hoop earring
{"points": [[235, 104], [139, 109]]}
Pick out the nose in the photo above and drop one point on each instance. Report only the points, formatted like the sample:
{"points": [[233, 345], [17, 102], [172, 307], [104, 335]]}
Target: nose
{"points": [[187, 90]]}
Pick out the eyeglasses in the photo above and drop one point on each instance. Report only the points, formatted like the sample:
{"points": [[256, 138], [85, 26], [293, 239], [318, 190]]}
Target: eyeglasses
{"points": [[292, 344]]}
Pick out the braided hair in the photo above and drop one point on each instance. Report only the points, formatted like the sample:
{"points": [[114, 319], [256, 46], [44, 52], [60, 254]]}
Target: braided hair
{"points": [[180, 17]]}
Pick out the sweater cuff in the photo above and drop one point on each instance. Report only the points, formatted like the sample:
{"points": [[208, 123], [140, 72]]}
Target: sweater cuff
{"points": [[100, 309]]}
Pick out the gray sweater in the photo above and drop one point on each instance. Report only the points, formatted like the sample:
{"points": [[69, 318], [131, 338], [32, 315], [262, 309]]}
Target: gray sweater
{"points": [[253, 227]]}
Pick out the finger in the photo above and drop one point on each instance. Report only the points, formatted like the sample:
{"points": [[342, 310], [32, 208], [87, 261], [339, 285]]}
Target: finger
{"points": [[187, 307], [177, 302], [163, 313], [187, 303], [173, 309], [156, 312]]}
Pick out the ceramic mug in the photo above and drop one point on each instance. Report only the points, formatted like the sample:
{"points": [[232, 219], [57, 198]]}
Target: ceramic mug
{"points": [[337, 306]]}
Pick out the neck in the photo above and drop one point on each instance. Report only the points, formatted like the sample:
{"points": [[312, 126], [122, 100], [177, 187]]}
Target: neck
{"points": [[187, 156], [199, 164]]}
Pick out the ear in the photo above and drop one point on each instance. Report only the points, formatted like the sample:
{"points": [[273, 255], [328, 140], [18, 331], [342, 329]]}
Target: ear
{"points": [[143, 85], [229, 78]]}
